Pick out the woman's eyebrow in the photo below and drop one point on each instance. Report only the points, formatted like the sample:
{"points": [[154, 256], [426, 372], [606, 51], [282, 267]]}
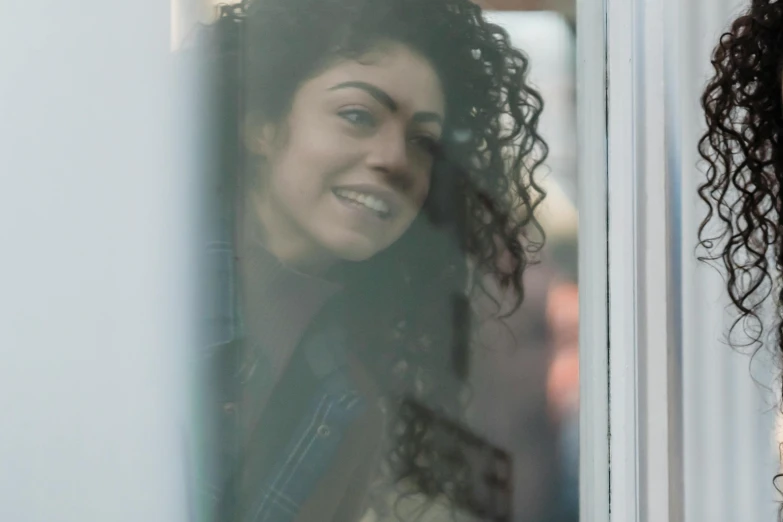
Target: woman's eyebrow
{"points": [[376, 92], [384, 99], [428, 117]]}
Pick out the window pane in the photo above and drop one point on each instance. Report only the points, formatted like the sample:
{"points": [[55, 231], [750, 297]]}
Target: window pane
{"points": [[392, 302]]}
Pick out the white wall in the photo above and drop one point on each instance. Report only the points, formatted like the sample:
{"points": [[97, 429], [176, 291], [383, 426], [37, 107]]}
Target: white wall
{"points": [[94, 277]]}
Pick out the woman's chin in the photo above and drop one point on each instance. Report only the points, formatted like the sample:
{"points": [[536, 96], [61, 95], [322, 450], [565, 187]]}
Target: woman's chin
{"points": [[355, 249], [355, 253]]}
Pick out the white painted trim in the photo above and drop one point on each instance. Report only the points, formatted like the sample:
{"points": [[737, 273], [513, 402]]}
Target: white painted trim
{"points": [[593, 328], [644, 306], [660, 405], [623, 165]]}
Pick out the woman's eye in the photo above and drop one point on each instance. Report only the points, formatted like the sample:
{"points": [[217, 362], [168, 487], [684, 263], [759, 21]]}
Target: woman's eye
{"points": [[426, 143], [358, 117]]}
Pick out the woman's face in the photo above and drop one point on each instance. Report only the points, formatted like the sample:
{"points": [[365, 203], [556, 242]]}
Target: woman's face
{"points": [[348, 170]]}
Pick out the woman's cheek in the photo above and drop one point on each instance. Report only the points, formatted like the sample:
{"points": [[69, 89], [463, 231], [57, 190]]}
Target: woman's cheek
{"points": [[423, 193]]}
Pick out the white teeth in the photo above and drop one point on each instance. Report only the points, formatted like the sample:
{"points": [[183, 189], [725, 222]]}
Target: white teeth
{"points": [[369, 201]]}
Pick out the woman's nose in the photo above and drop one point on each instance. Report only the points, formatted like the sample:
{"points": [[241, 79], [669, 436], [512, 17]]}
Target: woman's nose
{"points": [[389, 154]]}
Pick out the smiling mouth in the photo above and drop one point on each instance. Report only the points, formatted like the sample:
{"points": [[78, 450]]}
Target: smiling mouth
{"points": [[369, 202]]}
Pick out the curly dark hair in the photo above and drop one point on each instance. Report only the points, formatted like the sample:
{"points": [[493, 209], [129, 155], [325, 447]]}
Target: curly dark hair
{"points": [[405, 309], [743, 150]]}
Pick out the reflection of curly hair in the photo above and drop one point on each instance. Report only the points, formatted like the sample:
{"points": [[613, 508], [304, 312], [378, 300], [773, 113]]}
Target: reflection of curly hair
{"points": [[405, 304], [743, 148]]}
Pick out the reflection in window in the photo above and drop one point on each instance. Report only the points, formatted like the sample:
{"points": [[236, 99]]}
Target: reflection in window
{"points": [[376, 185]]}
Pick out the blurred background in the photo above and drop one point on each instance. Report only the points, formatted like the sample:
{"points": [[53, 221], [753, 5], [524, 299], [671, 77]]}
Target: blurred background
{"points": [[526, 379]]}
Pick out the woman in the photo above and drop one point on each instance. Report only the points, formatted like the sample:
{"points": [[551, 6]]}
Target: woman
{"points": [[373, 155], [743, 150]]}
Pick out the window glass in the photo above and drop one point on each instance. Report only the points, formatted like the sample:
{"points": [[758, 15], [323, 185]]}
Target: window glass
{"points": [[390, 238]]}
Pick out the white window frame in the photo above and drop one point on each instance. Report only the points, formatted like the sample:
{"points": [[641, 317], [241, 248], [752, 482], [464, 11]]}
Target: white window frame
{"points": [[631, 436], [673, 426], [593, 249]]}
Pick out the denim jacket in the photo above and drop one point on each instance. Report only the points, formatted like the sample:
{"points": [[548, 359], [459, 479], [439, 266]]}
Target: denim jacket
{"points": [[330, 411], [235, 485]]}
